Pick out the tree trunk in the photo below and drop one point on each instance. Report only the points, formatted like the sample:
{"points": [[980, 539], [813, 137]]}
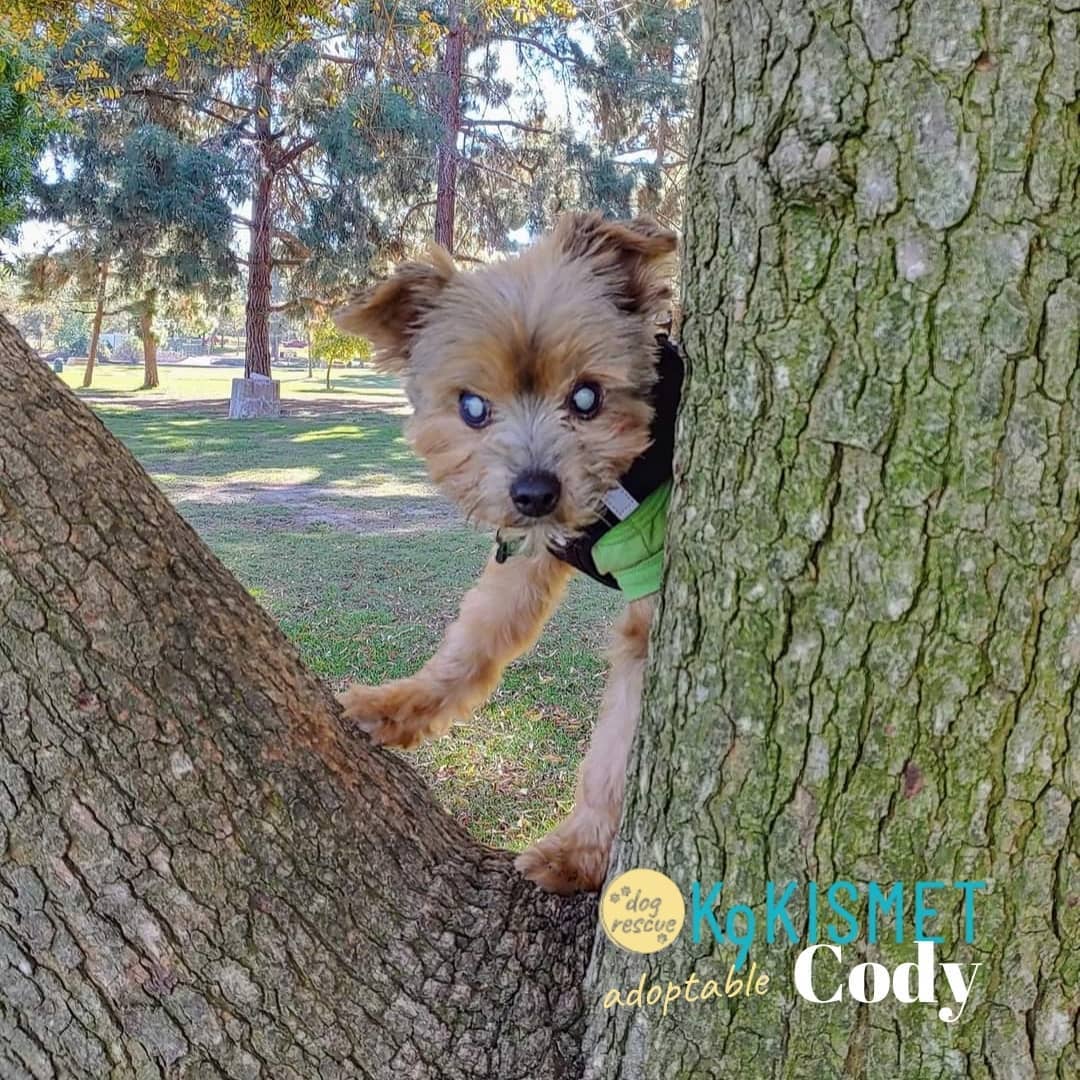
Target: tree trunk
{"points": [[95, 331], [260, 262], [868, 648], [202, 873], [257, 310], [149, 342], [450, 116], [329, 368]]}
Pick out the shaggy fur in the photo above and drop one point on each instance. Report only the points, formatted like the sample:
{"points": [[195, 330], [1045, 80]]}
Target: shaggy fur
{"points": [[577, 307]]}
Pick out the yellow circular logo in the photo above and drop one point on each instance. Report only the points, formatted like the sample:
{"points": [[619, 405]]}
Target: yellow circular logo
{"points": [[642, 910]]}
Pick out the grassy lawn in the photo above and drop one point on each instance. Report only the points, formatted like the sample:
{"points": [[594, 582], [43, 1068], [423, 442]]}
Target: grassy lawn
{"points": [[190, 382], [330, 522]]}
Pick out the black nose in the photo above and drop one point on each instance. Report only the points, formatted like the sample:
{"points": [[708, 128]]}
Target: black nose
{"points": [[536, 493]]}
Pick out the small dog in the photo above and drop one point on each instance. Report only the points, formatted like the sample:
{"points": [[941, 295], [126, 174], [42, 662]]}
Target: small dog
{"points": [[534, 384]]}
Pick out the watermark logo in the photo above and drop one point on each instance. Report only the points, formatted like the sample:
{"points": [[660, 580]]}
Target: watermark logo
{"points": [[642, 911]]}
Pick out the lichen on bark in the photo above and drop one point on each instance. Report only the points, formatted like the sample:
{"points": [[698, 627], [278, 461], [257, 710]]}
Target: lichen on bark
{"points": [[866, 659]]}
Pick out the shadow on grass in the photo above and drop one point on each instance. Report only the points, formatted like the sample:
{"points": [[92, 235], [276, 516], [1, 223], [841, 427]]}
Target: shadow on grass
{"points": [[93, 392], [352, 450], [346, 381], [355, 513]]}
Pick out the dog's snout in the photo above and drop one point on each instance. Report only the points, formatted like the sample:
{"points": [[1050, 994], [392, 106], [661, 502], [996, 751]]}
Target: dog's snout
{"points": [[536, 493]]}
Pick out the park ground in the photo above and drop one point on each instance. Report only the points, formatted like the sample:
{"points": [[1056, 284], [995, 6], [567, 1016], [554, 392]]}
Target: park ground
{"points": [[328, 519]]}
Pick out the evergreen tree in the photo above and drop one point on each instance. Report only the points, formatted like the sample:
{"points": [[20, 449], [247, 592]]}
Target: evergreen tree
{"points": [[506, 157], [24, 126], [364, 129], [144, 205], [317, 105]]}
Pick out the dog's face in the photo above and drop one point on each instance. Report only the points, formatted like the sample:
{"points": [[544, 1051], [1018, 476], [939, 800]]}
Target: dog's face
{"points": [[529, 378]]}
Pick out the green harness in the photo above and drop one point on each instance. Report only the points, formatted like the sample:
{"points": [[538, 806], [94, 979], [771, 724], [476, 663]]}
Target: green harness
{"points": [[632, 551]]}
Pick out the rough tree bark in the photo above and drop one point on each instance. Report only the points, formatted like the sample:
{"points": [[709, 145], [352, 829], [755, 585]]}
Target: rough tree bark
{"points": [[201, 874], [260, 266], [450, 71], [866, 661], [99, 315], [260, 258]]}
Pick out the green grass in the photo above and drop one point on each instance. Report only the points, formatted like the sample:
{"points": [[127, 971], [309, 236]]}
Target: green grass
{"points": [[333, 526], [183, 382]]}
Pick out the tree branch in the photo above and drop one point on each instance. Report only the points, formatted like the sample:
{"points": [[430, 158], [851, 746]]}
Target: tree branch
{"points": [[189, 103], [282, 234], [469, 122], [290, 155], [527, 43], [161, 725]]}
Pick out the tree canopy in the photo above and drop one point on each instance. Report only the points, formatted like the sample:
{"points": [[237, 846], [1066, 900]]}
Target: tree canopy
{"points": [[24, 128], [358, 131]]}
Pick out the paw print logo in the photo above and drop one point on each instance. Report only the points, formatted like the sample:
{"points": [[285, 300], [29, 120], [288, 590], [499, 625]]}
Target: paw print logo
{"points": [[662, 938], [626, 890], [614, 898]]}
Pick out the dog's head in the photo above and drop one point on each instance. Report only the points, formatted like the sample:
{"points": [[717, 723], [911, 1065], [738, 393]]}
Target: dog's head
{"points": [[529, 378]]}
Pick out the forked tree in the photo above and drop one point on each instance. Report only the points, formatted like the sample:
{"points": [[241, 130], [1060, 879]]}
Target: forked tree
{"points": [[865, 664]]}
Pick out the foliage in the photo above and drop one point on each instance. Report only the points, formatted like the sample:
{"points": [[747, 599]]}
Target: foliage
{"points": [[50, 321], [133, 188], [360, 89], [581, 107], [332, 346], [128, 350], [73, 333], [326, 122], [329, 344], [172, 31], [24, 128]]}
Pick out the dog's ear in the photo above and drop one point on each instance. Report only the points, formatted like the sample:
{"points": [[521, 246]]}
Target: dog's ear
{"points": [[390, 313], [637, 257]]}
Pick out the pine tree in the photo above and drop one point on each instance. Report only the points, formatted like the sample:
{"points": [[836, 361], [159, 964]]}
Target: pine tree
{"points": [[143, 204], [623, 70], [330, 136]]}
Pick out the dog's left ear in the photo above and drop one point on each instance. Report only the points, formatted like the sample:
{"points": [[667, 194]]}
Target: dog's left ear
{"points": [[637, 256], [389, 314]]}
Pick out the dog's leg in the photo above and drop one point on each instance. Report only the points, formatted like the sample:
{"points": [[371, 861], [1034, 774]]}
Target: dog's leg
{"points": [[500, 617], [574, 856]]}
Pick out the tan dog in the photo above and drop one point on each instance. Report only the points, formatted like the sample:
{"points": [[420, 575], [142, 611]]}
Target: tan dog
{"points": [[530, 381]]}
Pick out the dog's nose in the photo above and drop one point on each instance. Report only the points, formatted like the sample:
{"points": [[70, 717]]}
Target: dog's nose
{"points": [[536, 493]]}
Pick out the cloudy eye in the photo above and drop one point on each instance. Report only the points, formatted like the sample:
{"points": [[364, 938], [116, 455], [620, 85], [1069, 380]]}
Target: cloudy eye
{"points": [[475, 410], [584, 400]]}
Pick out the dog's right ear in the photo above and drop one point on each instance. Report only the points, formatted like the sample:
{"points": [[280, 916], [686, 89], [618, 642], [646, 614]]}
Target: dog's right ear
{"points": [[390, 313]]}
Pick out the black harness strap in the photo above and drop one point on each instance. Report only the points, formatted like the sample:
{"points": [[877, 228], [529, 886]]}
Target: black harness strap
{"points": [[648, 472]]}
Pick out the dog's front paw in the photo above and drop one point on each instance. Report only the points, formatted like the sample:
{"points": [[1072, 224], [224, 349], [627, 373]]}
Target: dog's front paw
{"points": [[567, 861], [397, 713]]}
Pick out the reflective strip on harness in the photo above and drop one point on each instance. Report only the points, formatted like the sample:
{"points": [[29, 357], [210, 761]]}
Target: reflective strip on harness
{"points": [[632, 552]]}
